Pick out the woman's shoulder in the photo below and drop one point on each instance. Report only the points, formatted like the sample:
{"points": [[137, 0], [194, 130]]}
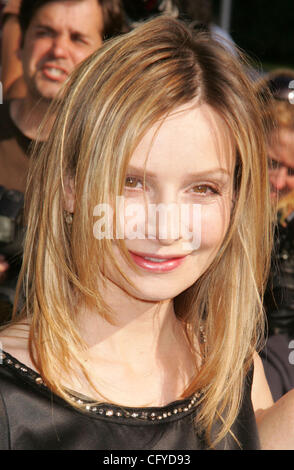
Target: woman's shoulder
{"points": [[261, 394], [14, 340]]}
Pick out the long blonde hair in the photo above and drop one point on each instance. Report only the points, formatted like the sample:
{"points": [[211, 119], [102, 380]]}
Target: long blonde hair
{"points": [[109, 103]]}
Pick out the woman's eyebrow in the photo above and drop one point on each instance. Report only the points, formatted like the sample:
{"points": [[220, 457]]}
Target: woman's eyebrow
{"points": [[214, 172]]}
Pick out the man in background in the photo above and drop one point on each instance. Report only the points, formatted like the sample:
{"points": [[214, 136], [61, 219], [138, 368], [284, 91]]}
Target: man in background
{"points": [[55, 37]]}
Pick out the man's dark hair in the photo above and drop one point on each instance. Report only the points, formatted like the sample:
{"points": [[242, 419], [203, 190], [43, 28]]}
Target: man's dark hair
{"points": [[113, 15]]}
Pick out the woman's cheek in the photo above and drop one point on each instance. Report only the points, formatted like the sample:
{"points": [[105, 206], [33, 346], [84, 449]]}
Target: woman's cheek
{"points": [[215, 220]]}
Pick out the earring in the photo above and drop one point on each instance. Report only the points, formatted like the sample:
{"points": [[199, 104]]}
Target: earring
{"points": [[68, 216]]}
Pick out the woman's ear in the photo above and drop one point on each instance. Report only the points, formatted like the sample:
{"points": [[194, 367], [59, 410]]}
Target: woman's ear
{"points": [[69, 195]]}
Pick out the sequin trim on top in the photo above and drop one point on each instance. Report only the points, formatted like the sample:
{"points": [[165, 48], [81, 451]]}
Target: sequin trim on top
{"points": [[104, 409]]}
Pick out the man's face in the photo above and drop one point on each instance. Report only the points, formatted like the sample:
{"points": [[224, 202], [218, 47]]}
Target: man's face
{"points": [[60, 36], [281, 155]]}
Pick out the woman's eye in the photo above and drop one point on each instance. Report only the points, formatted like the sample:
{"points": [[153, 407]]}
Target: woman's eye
{"points": [[133, 182], [203, 189]]}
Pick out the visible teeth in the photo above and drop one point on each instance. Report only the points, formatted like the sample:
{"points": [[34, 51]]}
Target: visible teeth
{"points": [[55, 71], [155, 260]]}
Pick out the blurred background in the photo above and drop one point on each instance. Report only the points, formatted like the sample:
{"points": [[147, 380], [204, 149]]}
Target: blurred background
{"points": [[263, 28]]}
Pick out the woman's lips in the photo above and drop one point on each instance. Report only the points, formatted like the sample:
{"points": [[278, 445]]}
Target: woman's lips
{"points": [[156, 263]]}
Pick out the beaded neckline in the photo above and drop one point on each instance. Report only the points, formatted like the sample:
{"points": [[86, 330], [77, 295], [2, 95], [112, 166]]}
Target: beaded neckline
{"points": [[107, 410]]}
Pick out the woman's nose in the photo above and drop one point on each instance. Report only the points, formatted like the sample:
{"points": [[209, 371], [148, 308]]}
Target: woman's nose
{"points": [[164, 221]]}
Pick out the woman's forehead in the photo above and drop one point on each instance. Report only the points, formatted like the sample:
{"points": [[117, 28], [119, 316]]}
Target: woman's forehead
{"points": [[192, 137]]}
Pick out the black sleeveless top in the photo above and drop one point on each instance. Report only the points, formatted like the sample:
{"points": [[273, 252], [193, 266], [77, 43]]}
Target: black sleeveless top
{"points": [[33, 418]]}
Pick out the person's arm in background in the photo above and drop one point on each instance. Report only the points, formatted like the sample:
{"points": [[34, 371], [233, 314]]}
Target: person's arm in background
{"points": [[12, 79]]}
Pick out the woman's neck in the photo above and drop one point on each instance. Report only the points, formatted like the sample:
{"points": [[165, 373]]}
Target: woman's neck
{"points": [[143, 359], [138, 328]]}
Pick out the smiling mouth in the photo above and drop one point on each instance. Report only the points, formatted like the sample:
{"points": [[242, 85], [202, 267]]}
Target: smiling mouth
{"points": [[155, 260], [157, 263]]}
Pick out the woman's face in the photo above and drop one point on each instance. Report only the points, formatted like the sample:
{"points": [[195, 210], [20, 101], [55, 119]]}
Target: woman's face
{"points": [[177, 203]]}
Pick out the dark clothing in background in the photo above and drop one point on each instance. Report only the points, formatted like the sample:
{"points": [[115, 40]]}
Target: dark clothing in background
{"points": [[279, 306], [14, 164], [14, 148], [278, 364]]}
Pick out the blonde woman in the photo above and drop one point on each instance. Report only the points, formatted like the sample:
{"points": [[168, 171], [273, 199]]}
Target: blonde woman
{"points": [[137, 330]]}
